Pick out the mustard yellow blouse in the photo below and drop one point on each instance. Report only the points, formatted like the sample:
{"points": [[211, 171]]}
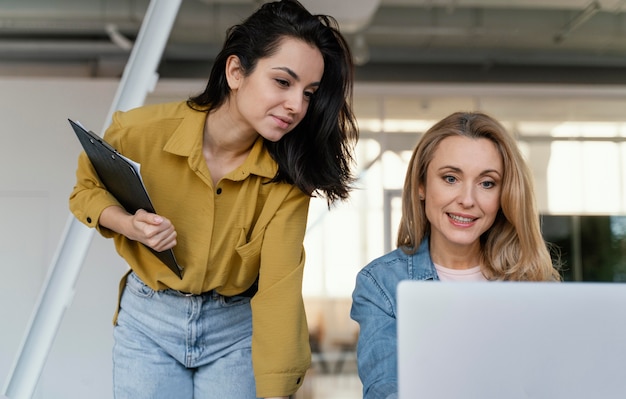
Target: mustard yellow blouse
{"points": [[227, 235]]}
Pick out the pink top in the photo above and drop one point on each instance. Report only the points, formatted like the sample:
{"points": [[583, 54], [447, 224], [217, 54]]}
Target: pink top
{"points": [[471, 274]]}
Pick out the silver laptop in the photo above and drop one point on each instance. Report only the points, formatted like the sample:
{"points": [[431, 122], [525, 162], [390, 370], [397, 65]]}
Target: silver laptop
{"points": [[511, 340]]}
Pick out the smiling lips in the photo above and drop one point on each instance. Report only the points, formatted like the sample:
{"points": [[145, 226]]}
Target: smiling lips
{"points": [[461, 219], [283, 122]]}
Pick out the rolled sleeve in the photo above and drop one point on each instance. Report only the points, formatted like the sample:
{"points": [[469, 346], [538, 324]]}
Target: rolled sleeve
{"points": [[89, 197]]}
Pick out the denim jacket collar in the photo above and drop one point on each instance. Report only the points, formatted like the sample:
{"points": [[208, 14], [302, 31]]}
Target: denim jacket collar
{"points": [[420, 266]]}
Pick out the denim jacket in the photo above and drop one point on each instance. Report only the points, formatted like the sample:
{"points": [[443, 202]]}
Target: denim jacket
{"points": [[374, 308]]}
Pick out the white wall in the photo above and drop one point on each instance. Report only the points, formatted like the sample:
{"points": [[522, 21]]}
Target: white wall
{"points": [[37, 173], [37, 165]]}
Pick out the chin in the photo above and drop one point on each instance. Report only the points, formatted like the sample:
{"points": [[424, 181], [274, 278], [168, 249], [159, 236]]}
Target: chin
{"points": [[273, 136], [463, 241]]}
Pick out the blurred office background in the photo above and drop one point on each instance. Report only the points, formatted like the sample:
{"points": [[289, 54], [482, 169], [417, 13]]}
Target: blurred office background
{"points": [[553, 71]]}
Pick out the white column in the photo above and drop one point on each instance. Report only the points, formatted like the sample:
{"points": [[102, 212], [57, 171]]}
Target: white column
{"points": [[139, 78]]}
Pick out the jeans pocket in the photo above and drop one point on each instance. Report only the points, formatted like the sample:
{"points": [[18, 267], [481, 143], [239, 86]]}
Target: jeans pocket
{"points": [[137, 287]]}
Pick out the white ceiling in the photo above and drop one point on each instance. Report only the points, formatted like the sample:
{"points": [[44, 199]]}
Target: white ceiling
{"points": [[523, 60], [539, 41]]}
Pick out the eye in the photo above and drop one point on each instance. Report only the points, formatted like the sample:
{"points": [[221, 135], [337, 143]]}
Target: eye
{"points": [[449, 179], [282, 82], [309, 95], [488, 184]]}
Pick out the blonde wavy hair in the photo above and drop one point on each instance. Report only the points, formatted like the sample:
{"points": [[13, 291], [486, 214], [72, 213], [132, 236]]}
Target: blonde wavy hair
{"points": [[512, 248]]}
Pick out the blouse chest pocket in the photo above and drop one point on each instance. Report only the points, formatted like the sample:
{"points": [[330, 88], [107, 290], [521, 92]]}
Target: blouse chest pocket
{"points": [[250, 251]]}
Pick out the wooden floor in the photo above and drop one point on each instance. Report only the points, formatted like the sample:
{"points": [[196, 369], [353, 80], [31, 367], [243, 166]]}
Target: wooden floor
{"points": [[330, 386], [336, 379]]}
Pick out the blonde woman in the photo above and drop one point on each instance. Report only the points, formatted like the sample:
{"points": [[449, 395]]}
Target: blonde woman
{"points": [[468, 214]]}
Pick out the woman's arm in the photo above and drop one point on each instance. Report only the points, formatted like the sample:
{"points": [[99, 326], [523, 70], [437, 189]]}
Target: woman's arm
{"points": [[280, 341], [375, 312], [150, 229], [93, 205]]}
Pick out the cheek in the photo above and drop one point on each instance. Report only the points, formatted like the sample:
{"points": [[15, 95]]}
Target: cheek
{"points": [[439, 196], [431, 210], [305, 105], [492, 206], [299, 117]]}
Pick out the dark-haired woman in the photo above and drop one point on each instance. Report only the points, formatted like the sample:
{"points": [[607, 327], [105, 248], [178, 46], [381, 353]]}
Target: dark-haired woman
{"points": [[231, 172]]}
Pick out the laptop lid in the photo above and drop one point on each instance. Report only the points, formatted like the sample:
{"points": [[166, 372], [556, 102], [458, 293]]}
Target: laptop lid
{"points": [[511, 340]]}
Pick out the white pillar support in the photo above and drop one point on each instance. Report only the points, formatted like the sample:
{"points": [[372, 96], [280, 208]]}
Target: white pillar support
{"points": [[139, 78]]}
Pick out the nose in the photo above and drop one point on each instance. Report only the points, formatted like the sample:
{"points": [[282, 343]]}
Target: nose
{"points": [[466, 196], [294, 101]]}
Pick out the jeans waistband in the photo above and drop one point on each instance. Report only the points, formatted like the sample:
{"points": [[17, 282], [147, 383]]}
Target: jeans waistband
{"points": [[183, 293], [247, 293]]}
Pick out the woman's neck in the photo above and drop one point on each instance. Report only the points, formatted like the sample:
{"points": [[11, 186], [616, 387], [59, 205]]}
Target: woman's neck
{"points": [[225, 146], [226, 136], [455, 256]]}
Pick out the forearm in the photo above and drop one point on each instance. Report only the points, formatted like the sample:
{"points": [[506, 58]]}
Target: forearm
{"points": [[150, 229], [115, 218]]}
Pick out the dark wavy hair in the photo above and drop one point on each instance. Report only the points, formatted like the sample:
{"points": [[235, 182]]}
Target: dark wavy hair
{"points": [[317, 155]]}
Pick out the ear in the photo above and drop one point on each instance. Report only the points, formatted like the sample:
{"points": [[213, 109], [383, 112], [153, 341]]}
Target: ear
{"points": [[420, 192], [233, 72]]}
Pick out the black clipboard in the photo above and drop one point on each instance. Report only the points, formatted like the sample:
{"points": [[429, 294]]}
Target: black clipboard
{"points": [[121, 178]]}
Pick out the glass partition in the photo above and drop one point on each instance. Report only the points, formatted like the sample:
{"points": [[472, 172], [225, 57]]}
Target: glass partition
{"points": [[574, 140]]}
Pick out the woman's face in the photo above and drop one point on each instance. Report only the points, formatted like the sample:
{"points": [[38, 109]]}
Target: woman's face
{"points": [[462, 191], [274, 98]]}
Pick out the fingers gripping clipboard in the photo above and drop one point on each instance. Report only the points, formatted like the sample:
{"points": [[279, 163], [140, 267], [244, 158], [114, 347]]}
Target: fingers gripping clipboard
{"points": [[121, 178]]}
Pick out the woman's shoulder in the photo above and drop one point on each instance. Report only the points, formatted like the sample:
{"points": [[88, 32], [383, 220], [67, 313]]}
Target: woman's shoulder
{"points": [[401, 264], [153, 113], [395, 258], [378, 281], [391, 266]]}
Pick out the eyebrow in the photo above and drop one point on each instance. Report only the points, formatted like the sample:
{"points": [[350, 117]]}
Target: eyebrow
{"points": [[457, 169], [294, 75]]}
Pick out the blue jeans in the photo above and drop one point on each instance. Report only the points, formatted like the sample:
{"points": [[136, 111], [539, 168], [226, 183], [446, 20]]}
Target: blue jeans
{"points": [[170, 345]]}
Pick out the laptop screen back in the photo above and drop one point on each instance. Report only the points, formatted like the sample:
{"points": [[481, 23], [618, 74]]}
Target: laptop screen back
{"points": [[511, 340]]}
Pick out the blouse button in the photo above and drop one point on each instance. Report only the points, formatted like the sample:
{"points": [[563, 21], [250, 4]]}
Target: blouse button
{"points": [[88, 219], [219, 191]]}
